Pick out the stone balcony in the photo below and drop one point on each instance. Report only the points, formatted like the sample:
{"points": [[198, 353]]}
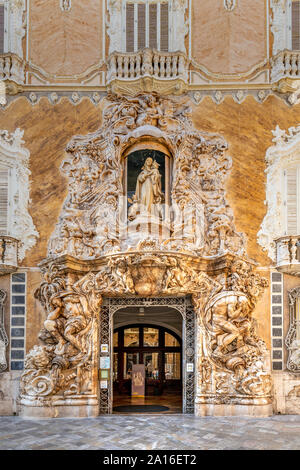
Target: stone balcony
{"points": [[288, 254], [285, 71], [147, 70], [12, 72], [8, 255]]}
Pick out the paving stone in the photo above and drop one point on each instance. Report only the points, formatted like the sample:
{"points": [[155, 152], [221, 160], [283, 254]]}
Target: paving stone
{"points": [[151, 432]]}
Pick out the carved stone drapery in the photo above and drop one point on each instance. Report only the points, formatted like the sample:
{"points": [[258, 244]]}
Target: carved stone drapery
{"points": [[95, 252]]}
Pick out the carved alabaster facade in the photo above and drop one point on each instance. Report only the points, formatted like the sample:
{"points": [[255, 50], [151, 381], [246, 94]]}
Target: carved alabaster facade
{"points": [[95, 253]]}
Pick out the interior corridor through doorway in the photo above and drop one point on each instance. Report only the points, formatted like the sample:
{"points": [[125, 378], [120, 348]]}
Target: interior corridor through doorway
{"points": [[150, 336]]}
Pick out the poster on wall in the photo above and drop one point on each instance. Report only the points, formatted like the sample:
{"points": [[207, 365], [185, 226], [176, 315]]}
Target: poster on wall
{"points": [[105, 362], [138, 380]]}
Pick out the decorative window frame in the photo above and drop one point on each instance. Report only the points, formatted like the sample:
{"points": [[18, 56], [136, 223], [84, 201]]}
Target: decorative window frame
{"points": [[178, 26], [281, 25], [15, 157], [285, 153], [14, 25], [291, 341]]}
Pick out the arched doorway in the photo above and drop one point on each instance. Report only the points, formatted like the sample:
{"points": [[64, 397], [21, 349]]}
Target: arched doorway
{"points": [[174, 320], [158, 348]]}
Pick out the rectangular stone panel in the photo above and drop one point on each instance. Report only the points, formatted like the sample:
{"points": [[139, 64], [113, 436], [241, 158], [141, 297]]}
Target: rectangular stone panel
{"points": [[276, 288], [276, 277], [17, 365], [18, 310], [276, 310], [276, 299], [17, 343], [18, 288], [277, 354], [276, 332], [18, 299], [276, 321], [17, 321], [277, 343], [17, 354], [15, 332], [19, 277]]}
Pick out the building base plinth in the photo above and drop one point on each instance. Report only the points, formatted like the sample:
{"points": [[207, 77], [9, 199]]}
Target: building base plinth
{"points": [[41, 412], [258, 411]]}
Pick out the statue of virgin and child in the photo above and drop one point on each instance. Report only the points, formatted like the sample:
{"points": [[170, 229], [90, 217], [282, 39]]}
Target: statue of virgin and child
{"points": [[148, 193]]}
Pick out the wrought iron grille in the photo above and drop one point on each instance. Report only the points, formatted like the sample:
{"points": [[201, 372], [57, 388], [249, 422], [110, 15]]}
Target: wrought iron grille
{"points": [[181, 304]]}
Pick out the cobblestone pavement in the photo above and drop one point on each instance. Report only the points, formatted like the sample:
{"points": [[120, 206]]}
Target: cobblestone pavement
{"points": [[180, 432]]}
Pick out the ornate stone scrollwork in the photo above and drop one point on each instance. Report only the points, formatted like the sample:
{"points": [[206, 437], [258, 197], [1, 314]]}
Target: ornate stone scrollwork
{"points": [[95, 252], [20, 227]]}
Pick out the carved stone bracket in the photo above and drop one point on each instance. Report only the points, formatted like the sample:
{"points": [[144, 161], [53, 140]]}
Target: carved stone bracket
{"points": [[64, 369]]}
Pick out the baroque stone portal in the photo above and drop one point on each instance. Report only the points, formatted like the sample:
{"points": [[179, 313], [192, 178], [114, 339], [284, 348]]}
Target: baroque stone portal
{"points": [[96, 251]]}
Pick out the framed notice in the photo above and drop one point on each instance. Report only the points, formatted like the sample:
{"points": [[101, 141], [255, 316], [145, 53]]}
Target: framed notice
{"points": [[104, 373], [190, 367], [103, 384], [104, 348], [105, 362]]}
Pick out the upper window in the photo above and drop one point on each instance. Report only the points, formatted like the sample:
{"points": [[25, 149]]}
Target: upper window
{"points": [[292, 200], [295, 25], [1, 28], [4, 200], [147, 25], [155, 24]]}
